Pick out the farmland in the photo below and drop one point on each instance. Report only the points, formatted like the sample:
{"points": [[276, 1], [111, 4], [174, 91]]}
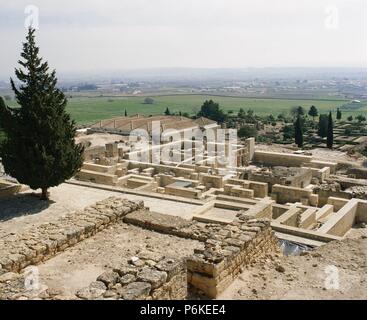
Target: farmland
{"points": [[90, 109]]}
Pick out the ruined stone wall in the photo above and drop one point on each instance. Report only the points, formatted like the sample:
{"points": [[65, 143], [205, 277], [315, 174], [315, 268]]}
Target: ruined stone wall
{"points": [[97, 177], [325, 194], [179, 172], [8, 188], [31, 247], [280, 159], [227, 247], [213, 269], [149, 278], [211, 181], [359, 173], [183, 192], [284, 194], [260, 188], [94, 152]]}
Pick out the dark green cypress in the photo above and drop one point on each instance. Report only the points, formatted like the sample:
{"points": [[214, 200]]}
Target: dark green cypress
{"points": [[323, 124], [330, 132], [298, 132], [338, 114], [39, 149]]}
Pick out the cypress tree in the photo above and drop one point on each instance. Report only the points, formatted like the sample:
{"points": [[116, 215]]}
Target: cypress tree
{"points": [[338, 114], [323, 124], [167, 112], [298, 132], [330, 133], [39, 149], [125, 113]]}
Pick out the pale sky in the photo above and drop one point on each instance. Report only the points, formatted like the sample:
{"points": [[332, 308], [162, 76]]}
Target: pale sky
{"points": [[96, 35]]}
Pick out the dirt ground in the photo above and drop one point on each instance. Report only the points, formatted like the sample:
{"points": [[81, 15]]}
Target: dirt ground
{"points": [[26, 210], [314, 275], [99, 139], [337, 270]]}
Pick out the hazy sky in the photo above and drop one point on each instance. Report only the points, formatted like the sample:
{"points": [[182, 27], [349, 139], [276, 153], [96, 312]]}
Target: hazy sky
{"points": [[94, 35]]}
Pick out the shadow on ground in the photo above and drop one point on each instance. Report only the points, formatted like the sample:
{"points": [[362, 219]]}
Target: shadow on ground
{"points": [[22, 205]]}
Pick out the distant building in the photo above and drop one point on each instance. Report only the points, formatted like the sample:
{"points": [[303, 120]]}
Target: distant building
{"points": [[125, 125]]}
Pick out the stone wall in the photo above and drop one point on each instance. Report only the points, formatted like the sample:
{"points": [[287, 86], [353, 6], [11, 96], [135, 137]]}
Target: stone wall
{"points": [[148, 276], [31, 247], [284, 194], [97, 177], [227, 248], [93, 152], [260, 188], [183, 192], [213, 269], [151, 277], [359, 173], [8, 188], [280, 159]]}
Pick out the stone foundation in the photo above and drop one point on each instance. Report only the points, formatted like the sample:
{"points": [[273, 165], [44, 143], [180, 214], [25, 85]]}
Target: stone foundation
{"points": [[149, 275], [213, 269], [141, 279], [227, 248], [18, 251]]}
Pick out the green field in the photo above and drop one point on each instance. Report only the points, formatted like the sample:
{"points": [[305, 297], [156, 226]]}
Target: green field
{"points": [[90, 109]]}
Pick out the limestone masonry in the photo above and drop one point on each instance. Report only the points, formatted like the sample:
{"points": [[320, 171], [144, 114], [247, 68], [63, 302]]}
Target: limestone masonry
{"points": [[177, 227]]}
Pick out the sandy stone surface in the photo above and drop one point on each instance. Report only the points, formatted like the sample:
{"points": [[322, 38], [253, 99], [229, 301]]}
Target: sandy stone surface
{"points": [[26, 211], [99, 139], [311, 276]]}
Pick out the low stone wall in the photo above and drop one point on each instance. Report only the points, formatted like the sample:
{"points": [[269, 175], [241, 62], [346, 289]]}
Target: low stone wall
{"points": [[159, 168], [183, 192], [99, 168], [148, 276], [324, 195], [151, 277], [8, 188], [18, 251], [280, 159], [260, 188], [291, 217], [92, 152], [320, 174], [284, 194], [322, 164], [340, 222], [213, 269], [227, 248], [238, 191], [360, 173], [97, 177]]}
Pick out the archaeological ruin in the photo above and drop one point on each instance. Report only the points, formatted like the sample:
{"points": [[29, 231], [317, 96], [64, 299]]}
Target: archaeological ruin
{"points": [[229, 214]]}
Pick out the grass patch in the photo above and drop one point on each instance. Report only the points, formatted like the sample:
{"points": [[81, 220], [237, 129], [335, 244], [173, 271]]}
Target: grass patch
{"points": [[91, 109]]}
